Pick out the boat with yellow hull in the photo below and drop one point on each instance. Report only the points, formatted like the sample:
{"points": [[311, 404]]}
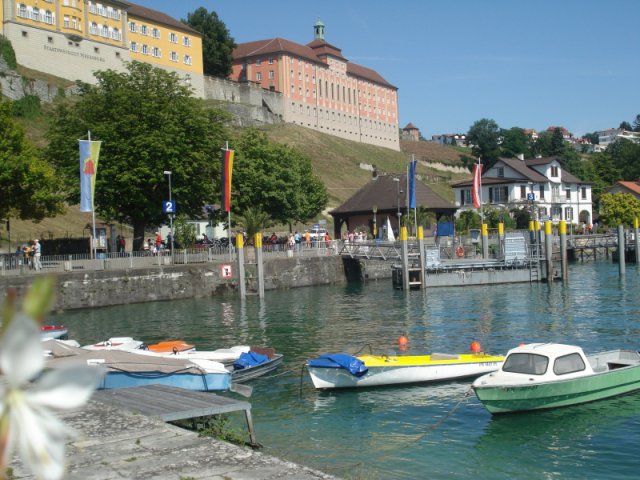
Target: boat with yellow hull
{"points": [[335, 370]]}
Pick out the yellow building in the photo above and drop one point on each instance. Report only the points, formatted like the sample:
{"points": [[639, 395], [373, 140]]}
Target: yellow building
{"points": [[73, 38]]}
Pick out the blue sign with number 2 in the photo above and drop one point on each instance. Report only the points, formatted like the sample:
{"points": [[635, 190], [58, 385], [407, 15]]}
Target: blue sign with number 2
{"points": [[169, 206]]}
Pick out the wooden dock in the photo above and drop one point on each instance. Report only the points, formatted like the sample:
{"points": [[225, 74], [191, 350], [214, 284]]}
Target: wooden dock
{"points": [[171, 403]]}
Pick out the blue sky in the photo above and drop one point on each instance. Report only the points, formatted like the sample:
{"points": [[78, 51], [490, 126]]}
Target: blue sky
{"points": [[570, 63]]}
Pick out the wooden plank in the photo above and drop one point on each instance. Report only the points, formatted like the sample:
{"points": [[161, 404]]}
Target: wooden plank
{"points": [[170, 403]]}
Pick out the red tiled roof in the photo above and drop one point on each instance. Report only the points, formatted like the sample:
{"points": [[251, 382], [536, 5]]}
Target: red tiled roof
{"points": [[158, 17], [323, 48], [633, 186], [410, 126], [367, 74], [281, 45]]}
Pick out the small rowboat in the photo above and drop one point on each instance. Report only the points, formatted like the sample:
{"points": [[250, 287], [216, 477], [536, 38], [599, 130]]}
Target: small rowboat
{"points": [[115, 343], [172, 346], [345, 371], [128, 369], [52, 331]]}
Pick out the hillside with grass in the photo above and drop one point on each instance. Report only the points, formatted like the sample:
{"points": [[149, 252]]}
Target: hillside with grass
{"points": [[344, 167], [343, 164]]}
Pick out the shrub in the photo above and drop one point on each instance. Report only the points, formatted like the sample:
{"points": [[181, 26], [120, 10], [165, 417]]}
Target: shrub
{"points": [[7, 52], [27, 107]]}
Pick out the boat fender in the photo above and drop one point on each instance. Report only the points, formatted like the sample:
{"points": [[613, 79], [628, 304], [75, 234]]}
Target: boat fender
{"points": [[460, 251]]}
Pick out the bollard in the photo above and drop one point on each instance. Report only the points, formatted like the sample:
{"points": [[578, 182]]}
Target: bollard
{"points": [[405, 258], [240, 252], [621, 245], [423, 258], [257, 245], [485, 240], [532, 232], [562, 228], [548, 249]]}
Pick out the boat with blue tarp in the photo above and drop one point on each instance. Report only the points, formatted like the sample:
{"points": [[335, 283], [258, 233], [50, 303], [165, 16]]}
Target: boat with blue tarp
{"points": [[330, 371]]}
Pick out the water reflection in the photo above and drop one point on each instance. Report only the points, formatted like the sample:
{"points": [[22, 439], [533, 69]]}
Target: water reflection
{"points": [[566, 438], [386, 433]]}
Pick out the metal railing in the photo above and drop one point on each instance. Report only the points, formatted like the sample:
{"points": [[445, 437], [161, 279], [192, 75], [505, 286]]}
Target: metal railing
{"points": [[13, 264]]}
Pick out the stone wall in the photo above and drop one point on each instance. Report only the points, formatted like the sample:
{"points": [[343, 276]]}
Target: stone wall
{"points": [[75, 290], [15, 87]]}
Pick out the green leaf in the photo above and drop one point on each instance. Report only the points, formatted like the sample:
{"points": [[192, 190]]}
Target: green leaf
{"points": [[39, 298]]}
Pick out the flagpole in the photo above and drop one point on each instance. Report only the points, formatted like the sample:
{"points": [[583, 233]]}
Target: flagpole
{"points": [[408, 200], [480, 193], [226, 147], [93, 210], [415, 206]]}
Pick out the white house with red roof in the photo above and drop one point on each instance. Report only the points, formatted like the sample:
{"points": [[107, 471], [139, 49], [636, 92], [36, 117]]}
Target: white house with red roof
{"points": [[322, 89], [540, 185]]}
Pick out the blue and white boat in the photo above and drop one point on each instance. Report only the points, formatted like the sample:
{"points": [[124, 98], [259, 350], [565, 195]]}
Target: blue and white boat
{"points": [[126, 369]]}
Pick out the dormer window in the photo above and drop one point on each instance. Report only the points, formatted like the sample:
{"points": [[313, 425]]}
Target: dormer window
{"points": [[500, 171], [554, 171]]}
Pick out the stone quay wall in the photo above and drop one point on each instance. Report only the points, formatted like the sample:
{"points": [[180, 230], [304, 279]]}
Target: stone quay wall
{"points": [[89, 289]]}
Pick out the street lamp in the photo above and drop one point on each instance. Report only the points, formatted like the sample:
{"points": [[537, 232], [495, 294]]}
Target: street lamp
{"points": [[168, 173]]}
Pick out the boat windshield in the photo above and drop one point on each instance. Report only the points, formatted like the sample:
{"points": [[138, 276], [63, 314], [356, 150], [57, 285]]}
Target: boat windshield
{"points": [[527, 363]]}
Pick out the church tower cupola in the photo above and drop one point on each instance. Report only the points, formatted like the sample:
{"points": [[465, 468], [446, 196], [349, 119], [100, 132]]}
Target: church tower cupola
{"points": [[318, 30]]}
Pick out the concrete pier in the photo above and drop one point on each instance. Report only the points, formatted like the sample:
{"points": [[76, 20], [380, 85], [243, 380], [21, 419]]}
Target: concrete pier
{"points": [[118, 444]]}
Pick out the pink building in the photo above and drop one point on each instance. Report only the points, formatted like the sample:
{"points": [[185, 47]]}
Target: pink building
{"points": [[322, 89]]}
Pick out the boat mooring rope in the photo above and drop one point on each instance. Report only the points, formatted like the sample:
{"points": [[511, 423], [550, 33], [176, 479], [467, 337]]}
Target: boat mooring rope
{"points": [[451, 412]]}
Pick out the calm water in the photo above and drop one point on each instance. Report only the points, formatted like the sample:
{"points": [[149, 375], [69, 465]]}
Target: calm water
{"points": [[405, 432]]}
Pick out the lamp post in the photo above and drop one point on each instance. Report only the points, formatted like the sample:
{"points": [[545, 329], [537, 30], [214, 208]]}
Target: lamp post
{"points": [[375, 227], [168, 173]]}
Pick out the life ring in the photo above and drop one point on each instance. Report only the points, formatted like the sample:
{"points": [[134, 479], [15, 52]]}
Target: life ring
{"points": [[460, 251]]}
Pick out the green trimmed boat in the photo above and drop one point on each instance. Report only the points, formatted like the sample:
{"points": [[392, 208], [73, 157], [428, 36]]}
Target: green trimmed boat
{"points": [[549, 375]]}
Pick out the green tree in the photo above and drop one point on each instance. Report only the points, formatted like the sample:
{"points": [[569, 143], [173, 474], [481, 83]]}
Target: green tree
{"points": [[7, 52], [626, 156], [619, 209], [625, 126], [185, 232], [29, 186], [148, 123], [276, 178], [466, 220], [217, 43], [593, 137], [515, 142], [636, 124], [484, 135], [253, 220], [557, 146]]}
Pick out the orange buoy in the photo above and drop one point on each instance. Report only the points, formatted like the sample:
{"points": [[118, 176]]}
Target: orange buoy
{"points": [[460, 251], [475, 347], [403, 342]]}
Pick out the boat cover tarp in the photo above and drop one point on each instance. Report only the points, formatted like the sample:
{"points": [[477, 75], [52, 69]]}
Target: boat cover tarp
{"points": [[353, 365], [249, 359]]}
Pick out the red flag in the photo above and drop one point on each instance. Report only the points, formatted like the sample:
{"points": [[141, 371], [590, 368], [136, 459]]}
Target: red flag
{"points": [[477, 184], [227, 170]]}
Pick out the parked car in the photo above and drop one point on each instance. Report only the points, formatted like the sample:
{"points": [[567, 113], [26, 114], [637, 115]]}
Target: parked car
{"points": [[314, 233]]}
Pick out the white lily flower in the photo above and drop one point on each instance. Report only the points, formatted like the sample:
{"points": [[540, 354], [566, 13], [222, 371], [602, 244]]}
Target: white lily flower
{"points": [[26, 419]]}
